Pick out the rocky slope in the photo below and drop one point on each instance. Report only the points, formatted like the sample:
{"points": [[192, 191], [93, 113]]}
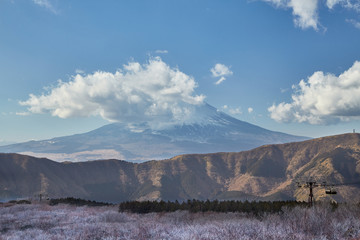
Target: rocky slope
{"points": [[267, 172]]}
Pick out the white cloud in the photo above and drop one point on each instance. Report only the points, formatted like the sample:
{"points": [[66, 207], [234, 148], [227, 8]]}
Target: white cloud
{"points": [[235, 111], [250, 110], [22, 113], [231, 110], [305, 12], [152, 92], [220, 70], [323, 99], [161, 51], [46, 4], [349, 4], [79, 71], [353, 5], [220, 80], [331, 3], [354, 22], [284, 90]]}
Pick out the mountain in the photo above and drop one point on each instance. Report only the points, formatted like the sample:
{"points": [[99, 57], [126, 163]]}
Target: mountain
{"points": [[209, 130], [265, 173]]}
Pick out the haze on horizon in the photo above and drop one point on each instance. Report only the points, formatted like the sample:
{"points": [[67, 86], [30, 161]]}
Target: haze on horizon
{"points": [[285, 65]]}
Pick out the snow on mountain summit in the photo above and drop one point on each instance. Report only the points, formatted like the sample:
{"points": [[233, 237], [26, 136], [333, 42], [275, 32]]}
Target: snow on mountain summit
{"points": [[205, 130]]}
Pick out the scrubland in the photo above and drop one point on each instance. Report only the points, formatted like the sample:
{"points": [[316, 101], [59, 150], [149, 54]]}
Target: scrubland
{"points": [[41, 221]]}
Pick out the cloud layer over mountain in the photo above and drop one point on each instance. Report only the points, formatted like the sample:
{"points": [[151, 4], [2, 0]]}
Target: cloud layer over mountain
{"points": [[323, 99], [152, 92]]}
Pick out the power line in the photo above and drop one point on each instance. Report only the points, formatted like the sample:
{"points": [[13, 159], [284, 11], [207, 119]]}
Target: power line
{"points": [[311, 184], [329, 188], [346, 184]]}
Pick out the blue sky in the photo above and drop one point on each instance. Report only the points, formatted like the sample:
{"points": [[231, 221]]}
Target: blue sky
{"points": [[285, 65]]}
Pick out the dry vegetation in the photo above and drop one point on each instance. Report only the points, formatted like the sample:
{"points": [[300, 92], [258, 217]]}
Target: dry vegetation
{"points": [[41, 221], [265, 173]]}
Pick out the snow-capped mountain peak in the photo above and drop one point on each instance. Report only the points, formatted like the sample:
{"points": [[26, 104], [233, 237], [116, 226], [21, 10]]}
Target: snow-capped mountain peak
{"points": [[207, 130]]}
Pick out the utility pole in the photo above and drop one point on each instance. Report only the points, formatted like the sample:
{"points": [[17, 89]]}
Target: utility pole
{"points": [[41, 196], [311, 184], [329, 188]]}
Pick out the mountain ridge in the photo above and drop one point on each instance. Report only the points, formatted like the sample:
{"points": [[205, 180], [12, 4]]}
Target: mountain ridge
{"points": [[265, 173]]}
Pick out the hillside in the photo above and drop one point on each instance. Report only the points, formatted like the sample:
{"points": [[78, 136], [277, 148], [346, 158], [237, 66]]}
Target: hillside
{"points": [[210, 130], [267, 172]]}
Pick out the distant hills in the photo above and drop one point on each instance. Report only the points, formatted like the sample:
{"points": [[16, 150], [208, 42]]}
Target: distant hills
{"points": [[264, 173], [209, 130]]}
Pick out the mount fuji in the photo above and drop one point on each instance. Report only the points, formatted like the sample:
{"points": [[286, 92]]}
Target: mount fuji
{"points": [[209, 131]]}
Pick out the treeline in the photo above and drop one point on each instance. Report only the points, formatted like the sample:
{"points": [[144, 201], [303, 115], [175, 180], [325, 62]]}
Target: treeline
{"points": [[22, 201], [76, 202], [208, 206]]}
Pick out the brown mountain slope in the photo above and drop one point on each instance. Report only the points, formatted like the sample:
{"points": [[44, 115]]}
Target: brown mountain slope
{"points": [[267, 172]]}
